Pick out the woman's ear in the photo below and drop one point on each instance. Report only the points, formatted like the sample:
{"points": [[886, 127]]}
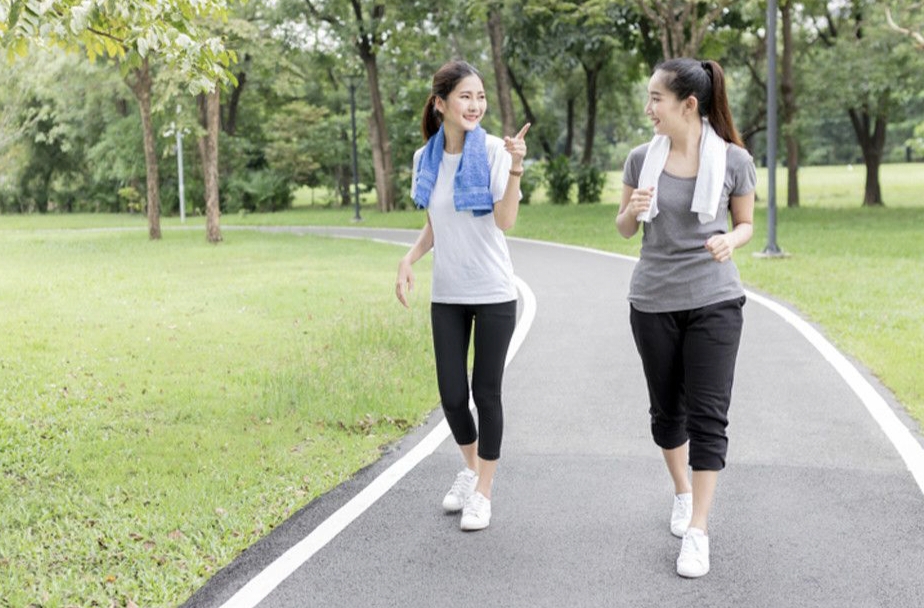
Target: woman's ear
{"points": [[439, 105], [691, 104]]}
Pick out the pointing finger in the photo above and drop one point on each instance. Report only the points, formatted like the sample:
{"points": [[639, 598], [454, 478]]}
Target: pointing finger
{"points": [[523, 131]]}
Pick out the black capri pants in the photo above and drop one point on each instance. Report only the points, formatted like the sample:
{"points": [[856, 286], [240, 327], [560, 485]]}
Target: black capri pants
{"points": [[452, 330], [689, 361]]}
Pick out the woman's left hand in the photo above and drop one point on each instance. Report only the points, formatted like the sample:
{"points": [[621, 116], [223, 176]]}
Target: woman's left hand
{"points": [[721, 246], [516, 146]]}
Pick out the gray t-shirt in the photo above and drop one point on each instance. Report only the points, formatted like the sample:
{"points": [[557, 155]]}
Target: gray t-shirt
{"points": [[675, 271]]}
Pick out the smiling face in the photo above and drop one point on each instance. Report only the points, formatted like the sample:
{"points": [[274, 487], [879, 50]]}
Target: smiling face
{"points": [[465, 105], [668, 114]]}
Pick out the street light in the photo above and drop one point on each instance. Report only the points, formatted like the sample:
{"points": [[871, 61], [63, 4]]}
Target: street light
{"points": [[771, 249], [175, 129], [352, 79]]}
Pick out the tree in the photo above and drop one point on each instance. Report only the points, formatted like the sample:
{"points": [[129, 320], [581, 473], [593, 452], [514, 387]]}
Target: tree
{"points": [[682, 25], [916, 35], [366, 27], [209, 112], [130, 33], [586, 36], [860, 71], [501, 73]]}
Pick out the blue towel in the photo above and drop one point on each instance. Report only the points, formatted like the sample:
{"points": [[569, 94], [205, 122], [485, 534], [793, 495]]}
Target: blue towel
{"points": [[472, 183]]}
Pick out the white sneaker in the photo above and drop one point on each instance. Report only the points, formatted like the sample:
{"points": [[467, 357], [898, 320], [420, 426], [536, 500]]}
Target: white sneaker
{"points": [[681, 514], [461, 489], [476, 515], [693, 560]]}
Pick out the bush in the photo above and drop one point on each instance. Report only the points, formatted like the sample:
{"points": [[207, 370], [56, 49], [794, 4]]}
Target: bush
{"points": [[130, 200], [590, 182], [258, 191], [528, 184], [559, 179]]}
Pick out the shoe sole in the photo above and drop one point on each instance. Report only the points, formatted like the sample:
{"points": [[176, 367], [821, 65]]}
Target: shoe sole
{"points": [[692, 574]]}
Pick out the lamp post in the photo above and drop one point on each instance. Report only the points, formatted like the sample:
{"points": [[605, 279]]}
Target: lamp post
{"points": [[176, 130], [356, 216], [179, 169], [771, 249]]}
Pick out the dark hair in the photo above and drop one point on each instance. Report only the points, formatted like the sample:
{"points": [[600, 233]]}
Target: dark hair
{"points": [[705, 80], [444, 81]]}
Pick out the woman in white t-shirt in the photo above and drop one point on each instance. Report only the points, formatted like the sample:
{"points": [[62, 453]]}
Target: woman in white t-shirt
{"points": [[469, 183]]}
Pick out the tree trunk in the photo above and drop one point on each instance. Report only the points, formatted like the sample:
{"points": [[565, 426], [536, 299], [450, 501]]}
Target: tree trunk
{"points": [[230, 125], [344, 175], [528, 111], [788, 89], [141, 85], [872, 144], [501, 77], [569, 127], [381, 144], [591, 74], [209, 116]]}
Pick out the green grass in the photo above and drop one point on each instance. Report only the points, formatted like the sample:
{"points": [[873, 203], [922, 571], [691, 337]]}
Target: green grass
{"points": [[164, 405]]}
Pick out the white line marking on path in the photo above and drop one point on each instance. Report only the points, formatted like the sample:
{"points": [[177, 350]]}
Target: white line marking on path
{"points": [[907, 446], [274, 574]]}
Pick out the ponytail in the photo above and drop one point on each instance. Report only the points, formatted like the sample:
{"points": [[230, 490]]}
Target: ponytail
{"points": [[719, 114], [705, 80], [431, 120]]}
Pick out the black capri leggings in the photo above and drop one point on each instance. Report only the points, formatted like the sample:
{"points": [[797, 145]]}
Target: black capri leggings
{"points": [[452, 330], [689, 360]]}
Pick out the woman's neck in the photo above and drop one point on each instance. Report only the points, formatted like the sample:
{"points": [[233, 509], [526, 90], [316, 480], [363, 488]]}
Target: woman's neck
{"points": [[454, 140], [687, 143]]}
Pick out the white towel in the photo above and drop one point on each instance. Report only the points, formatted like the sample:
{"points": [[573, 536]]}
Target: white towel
{"points": [[710, 177]]}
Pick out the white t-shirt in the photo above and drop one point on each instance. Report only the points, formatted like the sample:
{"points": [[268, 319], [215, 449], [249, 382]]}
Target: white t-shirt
{"points": [[471, 262]]}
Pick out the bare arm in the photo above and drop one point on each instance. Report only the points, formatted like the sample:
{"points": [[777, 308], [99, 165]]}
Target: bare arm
{"points": [[634, 201], [405, 281], [506, 209], [722, 246]]}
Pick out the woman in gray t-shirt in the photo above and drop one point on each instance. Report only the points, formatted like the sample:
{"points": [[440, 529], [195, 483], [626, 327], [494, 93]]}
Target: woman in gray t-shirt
{"points": [[686, 296]]}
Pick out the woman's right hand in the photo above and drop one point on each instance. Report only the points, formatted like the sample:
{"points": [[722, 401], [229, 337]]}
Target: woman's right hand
{"points": [[640, 201], [405, 281]]}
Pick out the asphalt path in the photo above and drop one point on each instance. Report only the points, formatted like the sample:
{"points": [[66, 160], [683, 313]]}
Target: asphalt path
{"points": [[820, 505]]}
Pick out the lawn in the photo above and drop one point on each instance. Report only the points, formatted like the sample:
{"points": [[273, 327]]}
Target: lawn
{"points": [[165, 404]]}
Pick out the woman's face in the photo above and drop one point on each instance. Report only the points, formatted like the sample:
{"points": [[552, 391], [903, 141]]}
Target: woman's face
{"points": [[667, 113], [465, 106]]}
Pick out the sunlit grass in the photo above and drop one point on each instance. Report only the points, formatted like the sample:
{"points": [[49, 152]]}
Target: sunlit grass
{"points": [[164, 405]]}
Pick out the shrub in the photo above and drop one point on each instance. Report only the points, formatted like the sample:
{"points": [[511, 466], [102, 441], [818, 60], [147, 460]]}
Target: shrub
{"points": [[258, 191], [559, 179], [528, 184], [590, 182]]}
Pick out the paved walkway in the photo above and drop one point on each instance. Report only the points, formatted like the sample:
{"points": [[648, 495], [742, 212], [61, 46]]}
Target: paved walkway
{"points": [[817, 507]]}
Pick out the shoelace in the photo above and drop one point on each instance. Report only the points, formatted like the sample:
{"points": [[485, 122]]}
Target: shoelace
{"points": [[460, 485], [477, 503], [690, 547]]}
